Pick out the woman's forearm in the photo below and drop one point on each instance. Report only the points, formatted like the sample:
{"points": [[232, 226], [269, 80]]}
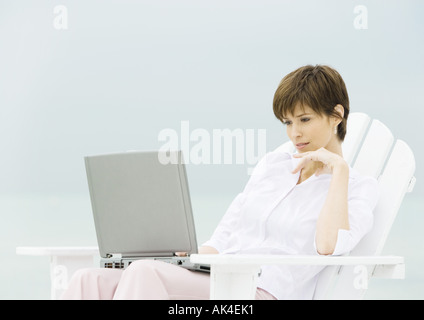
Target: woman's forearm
{"points": [[334, 214]]}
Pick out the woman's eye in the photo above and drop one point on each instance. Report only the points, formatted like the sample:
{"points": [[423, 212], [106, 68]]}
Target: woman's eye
{"points": [[286, 122], [305, 119]]}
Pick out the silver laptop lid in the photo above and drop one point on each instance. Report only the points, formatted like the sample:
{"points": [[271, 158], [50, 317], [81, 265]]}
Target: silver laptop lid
{"points": [[141, 207]]}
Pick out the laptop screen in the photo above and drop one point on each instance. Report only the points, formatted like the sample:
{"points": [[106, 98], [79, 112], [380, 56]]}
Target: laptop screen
{"points": [[141, 207]]}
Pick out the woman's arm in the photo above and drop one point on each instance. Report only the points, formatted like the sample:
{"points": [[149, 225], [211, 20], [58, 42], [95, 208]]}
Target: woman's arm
{"points": [[334, 213]]}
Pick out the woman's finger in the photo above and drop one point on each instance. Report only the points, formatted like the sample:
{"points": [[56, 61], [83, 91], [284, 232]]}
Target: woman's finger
{"points": [[300, 165], [300, 155]]}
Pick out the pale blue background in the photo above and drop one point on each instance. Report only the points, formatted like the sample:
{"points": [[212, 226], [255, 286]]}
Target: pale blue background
{"points": [[125, 70]]}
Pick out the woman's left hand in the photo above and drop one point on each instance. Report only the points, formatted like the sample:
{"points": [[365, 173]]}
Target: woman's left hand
{"points": [[329, 161]]}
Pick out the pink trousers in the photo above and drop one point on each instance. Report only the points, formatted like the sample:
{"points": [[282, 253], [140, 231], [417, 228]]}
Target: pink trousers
{"points": [[143, 280]]}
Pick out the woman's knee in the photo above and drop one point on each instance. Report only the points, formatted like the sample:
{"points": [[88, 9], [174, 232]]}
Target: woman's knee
{"points": [[83, 274], [96, 274]]}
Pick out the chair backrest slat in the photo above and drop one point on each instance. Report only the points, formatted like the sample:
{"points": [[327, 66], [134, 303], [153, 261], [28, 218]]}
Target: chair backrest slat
{"points": [[394, 183], [357, 125], [374, 150]]}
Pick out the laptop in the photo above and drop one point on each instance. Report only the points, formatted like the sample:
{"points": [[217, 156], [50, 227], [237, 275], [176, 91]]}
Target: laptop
{"points": [[141, 208]]}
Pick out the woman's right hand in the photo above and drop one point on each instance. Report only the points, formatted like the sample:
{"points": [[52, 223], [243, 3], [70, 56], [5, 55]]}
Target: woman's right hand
{"points": [[207, 250], [201, 250]]}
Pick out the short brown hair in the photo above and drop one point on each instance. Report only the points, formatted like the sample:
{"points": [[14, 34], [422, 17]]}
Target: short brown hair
{"points": [[319, 87]]}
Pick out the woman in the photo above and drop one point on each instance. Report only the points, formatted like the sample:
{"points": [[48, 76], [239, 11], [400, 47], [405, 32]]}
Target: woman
{"points": [[310, 202]]}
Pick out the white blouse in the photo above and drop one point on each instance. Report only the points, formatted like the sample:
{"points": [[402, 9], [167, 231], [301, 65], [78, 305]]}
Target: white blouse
{"points": [[275, 215]]}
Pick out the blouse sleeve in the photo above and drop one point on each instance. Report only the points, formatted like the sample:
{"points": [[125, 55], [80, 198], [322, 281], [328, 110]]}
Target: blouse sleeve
{"points": [[228, 223], [362, 199]]}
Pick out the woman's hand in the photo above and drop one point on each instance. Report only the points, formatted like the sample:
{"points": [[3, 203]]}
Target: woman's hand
{"points": [[207, 250], [201, 250], [330, 161]]}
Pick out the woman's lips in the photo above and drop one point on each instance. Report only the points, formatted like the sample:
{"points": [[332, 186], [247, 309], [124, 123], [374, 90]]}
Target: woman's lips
{"points": [[300, 146]]}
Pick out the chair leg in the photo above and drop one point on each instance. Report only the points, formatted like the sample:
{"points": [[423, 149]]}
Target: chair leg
{"points": [[233, 282], [61, 270]]}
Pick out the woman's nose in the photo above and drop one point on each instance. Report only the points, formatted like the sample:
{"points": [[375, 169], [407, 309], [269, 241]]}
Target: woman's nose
{"points": [[295, 131]]}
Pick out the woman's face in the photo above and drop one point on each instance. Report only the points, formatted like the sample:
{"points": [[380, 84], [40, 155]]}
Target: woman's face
{"points": [[310, 131]]}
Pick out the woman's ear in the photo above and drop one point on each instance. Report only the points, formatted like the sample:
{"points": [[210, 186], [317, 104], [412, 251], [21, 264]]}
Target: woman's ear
{"points": [[340, 110]]}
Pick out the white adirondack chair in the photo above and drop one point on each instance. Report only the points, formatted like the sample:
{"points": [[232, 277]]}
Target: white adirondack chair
{"points": [[345, 277]]}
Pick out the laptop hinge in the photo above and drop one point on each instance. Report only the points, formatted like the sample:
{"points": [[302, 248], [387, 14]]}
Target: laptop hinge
{"points": [[117, 261], [151, 254]]}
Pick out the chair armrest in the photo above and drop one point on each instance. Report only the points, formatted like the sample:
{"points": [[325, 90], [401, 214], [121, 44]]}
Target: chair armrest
{"points": [[64, 261], [235, 276], [317, 260], [57, 251]]}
